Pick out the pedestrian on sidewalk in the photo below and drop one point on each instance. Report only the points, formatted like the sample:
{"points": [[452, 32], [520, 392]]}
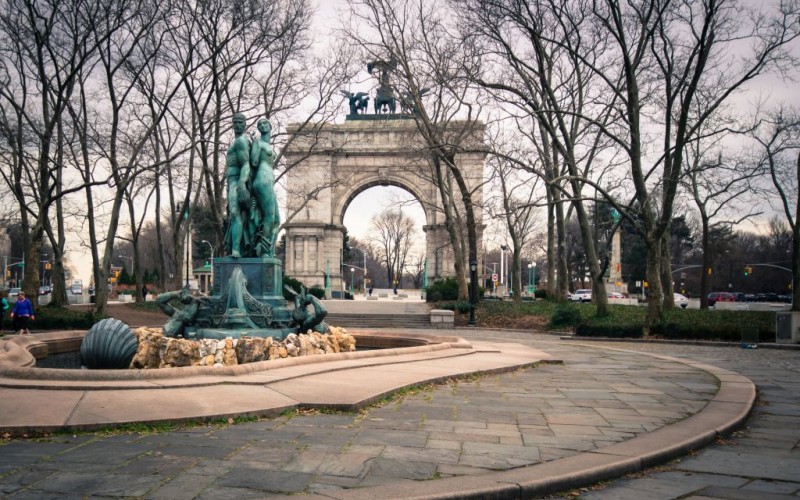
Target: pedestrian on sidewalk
{"points": [[21, 313]]}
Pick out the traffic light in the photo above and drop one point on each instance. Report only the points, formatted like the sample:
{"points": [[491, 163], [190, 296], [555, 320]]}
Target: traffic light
{"points": [[710, 271], [746, 271]]}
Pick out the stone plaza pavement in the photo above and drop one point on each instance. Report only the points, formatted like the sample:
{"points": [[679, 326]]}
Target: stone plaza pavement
{"points": [[454, 435]]}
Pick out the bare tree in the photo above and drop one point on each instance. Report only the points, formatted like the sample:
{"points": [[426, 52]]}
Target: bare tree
{"points": [[394, 234], [44, 49], [516, 206], [414, 37], [778, 137], [538, 58], [719, 188]]}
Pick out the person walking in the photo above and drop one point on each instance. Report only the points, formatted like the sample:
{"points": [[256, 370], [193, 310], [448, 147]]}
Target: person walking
{"points": [[21, 313]]}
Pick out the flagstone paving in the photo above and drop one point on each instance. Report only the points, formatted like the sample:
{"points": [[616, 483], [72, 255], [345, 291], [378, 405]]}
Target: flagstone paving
{"points": [[469, 428]]}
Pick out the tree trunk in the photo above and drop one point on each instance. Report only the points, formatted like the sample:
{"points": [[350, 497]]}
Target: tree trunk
{"points": [[666, 273], [452, 230], [516, 267], [796, 248], [551, 247], [562, 278], [706, 265], [599, 295], [654, 289]]}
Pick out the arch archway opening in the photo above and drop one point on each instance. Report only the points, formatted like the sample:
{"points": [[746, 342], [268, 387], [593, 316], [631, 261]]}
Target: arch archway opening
{"points": [[384, 225]]}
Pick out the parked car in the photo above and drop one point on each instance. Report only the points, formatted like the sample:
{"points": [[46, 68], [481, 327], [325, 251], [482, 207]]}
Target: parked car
{"points": [[45, 289], [76, 289], [615, 295], [680, 300], [12, 294], [584, 295], [715, 297]]}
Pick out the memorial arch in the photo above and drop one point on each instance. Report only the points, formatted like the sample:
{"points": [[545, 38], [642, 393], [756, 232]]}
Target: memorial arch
{"points": [[341, 161]]}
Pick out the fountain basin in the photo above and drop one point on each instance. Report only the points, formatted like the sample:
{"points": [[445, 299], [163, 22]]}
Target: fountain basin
{"points": [[48, 399]]}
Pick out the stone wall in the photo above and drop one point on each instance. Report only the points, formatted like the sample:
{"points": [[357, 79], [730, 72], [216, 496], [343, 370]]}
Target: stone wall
{"points": [[157, 351]]}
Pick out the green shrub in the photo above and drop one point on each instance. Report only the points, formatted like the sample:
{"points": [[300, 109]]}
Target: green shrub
{"points": [[609, 331], [462, 307], [62, 318], [317, 292], [446, 289], [565, 315]]}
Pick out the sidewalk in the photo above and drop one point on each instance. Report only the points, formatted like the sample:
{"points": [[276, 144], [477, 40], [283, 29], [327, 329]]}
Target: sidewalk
{"points": [[534, 431]]}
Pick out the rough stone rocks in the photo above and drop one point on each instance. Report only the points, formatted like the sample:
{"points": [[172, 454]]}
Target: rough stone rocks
{"points": [[255, 349], [229, 358], [180, 352], [156, 351], [148, 353]]}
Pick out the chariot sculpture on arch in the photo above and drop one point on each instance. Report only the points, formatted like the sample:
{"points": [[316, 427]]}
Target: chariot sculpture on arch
{"points": [[253, 217]]}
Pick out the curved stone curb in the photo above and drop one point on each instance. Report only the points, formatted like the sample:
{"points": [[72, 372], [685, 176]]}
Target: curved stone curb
{"points": [[32, 404], [728, 410], [18, 357]]}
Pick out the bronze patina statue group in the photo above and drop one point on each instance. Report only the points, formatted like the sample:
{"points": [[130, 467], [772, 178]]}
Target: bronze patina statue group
{"points": [[240, 304], [253, 217]]}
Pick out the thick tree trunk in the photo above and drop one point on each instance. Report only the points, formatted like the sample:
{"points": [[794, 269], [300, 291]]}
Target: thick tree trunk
{"points": [[516, 267], [551, 248], [562, 278], [666, 273], [599, 295], [796, 248], [654, 289]]}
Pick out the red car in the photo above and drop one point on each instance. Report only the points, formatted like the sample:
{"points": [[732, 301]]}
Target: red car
{"points": [[715, 297]]}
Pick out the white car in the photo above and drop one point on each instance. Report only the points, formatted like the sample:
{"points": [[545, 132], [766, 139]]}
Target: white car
{"points": [[581, 296], [680, 300]]}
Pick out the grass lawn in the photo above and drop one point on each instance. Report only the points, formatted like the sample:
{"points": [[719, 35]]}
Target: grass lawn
{"points": [[677, 323]]}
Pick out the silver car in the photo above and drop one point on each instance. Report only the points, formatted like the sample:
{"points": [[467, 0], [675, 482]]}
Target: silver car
{"points": [[680, 300], [584, 295]]}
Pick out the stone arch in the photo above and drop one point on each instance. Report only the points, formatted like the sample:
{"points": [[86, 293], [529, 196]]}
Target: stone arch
{"points": [[354, 157], [341, 206]]}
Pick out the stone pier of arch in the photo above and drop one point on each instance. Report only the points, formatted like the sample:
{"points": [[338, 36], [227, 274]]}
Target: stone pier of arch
{"points": [[340, 161]]}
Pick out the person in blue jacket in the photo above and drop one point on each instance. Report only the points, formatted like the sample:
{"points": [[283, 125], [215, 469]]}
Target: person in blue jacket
{"points": [[22, 313]]}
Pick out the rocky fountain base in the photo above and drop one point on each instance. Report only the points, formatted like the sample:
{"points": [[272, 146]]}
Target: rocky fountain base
{"points": [[110, 343], [157, 351]]}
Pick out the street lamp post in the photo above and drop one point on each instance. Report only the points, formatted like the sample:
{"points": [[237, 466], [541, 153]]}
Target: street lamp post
{"points": [[473, 291], [179, 209], [534, 277], [212, 260], [530, 268], [352, 280]]}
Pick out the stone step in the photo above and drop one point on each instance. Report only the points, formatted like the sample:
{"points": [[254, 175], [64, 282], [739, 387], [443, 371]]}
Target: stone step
{"points": [[379, 320]]}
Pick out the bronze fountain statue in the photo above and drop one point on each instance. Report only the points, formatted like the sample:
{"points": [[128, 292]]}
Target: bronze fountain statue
{"points": [[247, 298]]}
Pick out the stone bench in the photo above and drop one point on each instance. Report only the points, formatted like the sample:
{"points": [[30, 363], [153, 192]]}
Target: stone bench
{"points": [[442, 319]]}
